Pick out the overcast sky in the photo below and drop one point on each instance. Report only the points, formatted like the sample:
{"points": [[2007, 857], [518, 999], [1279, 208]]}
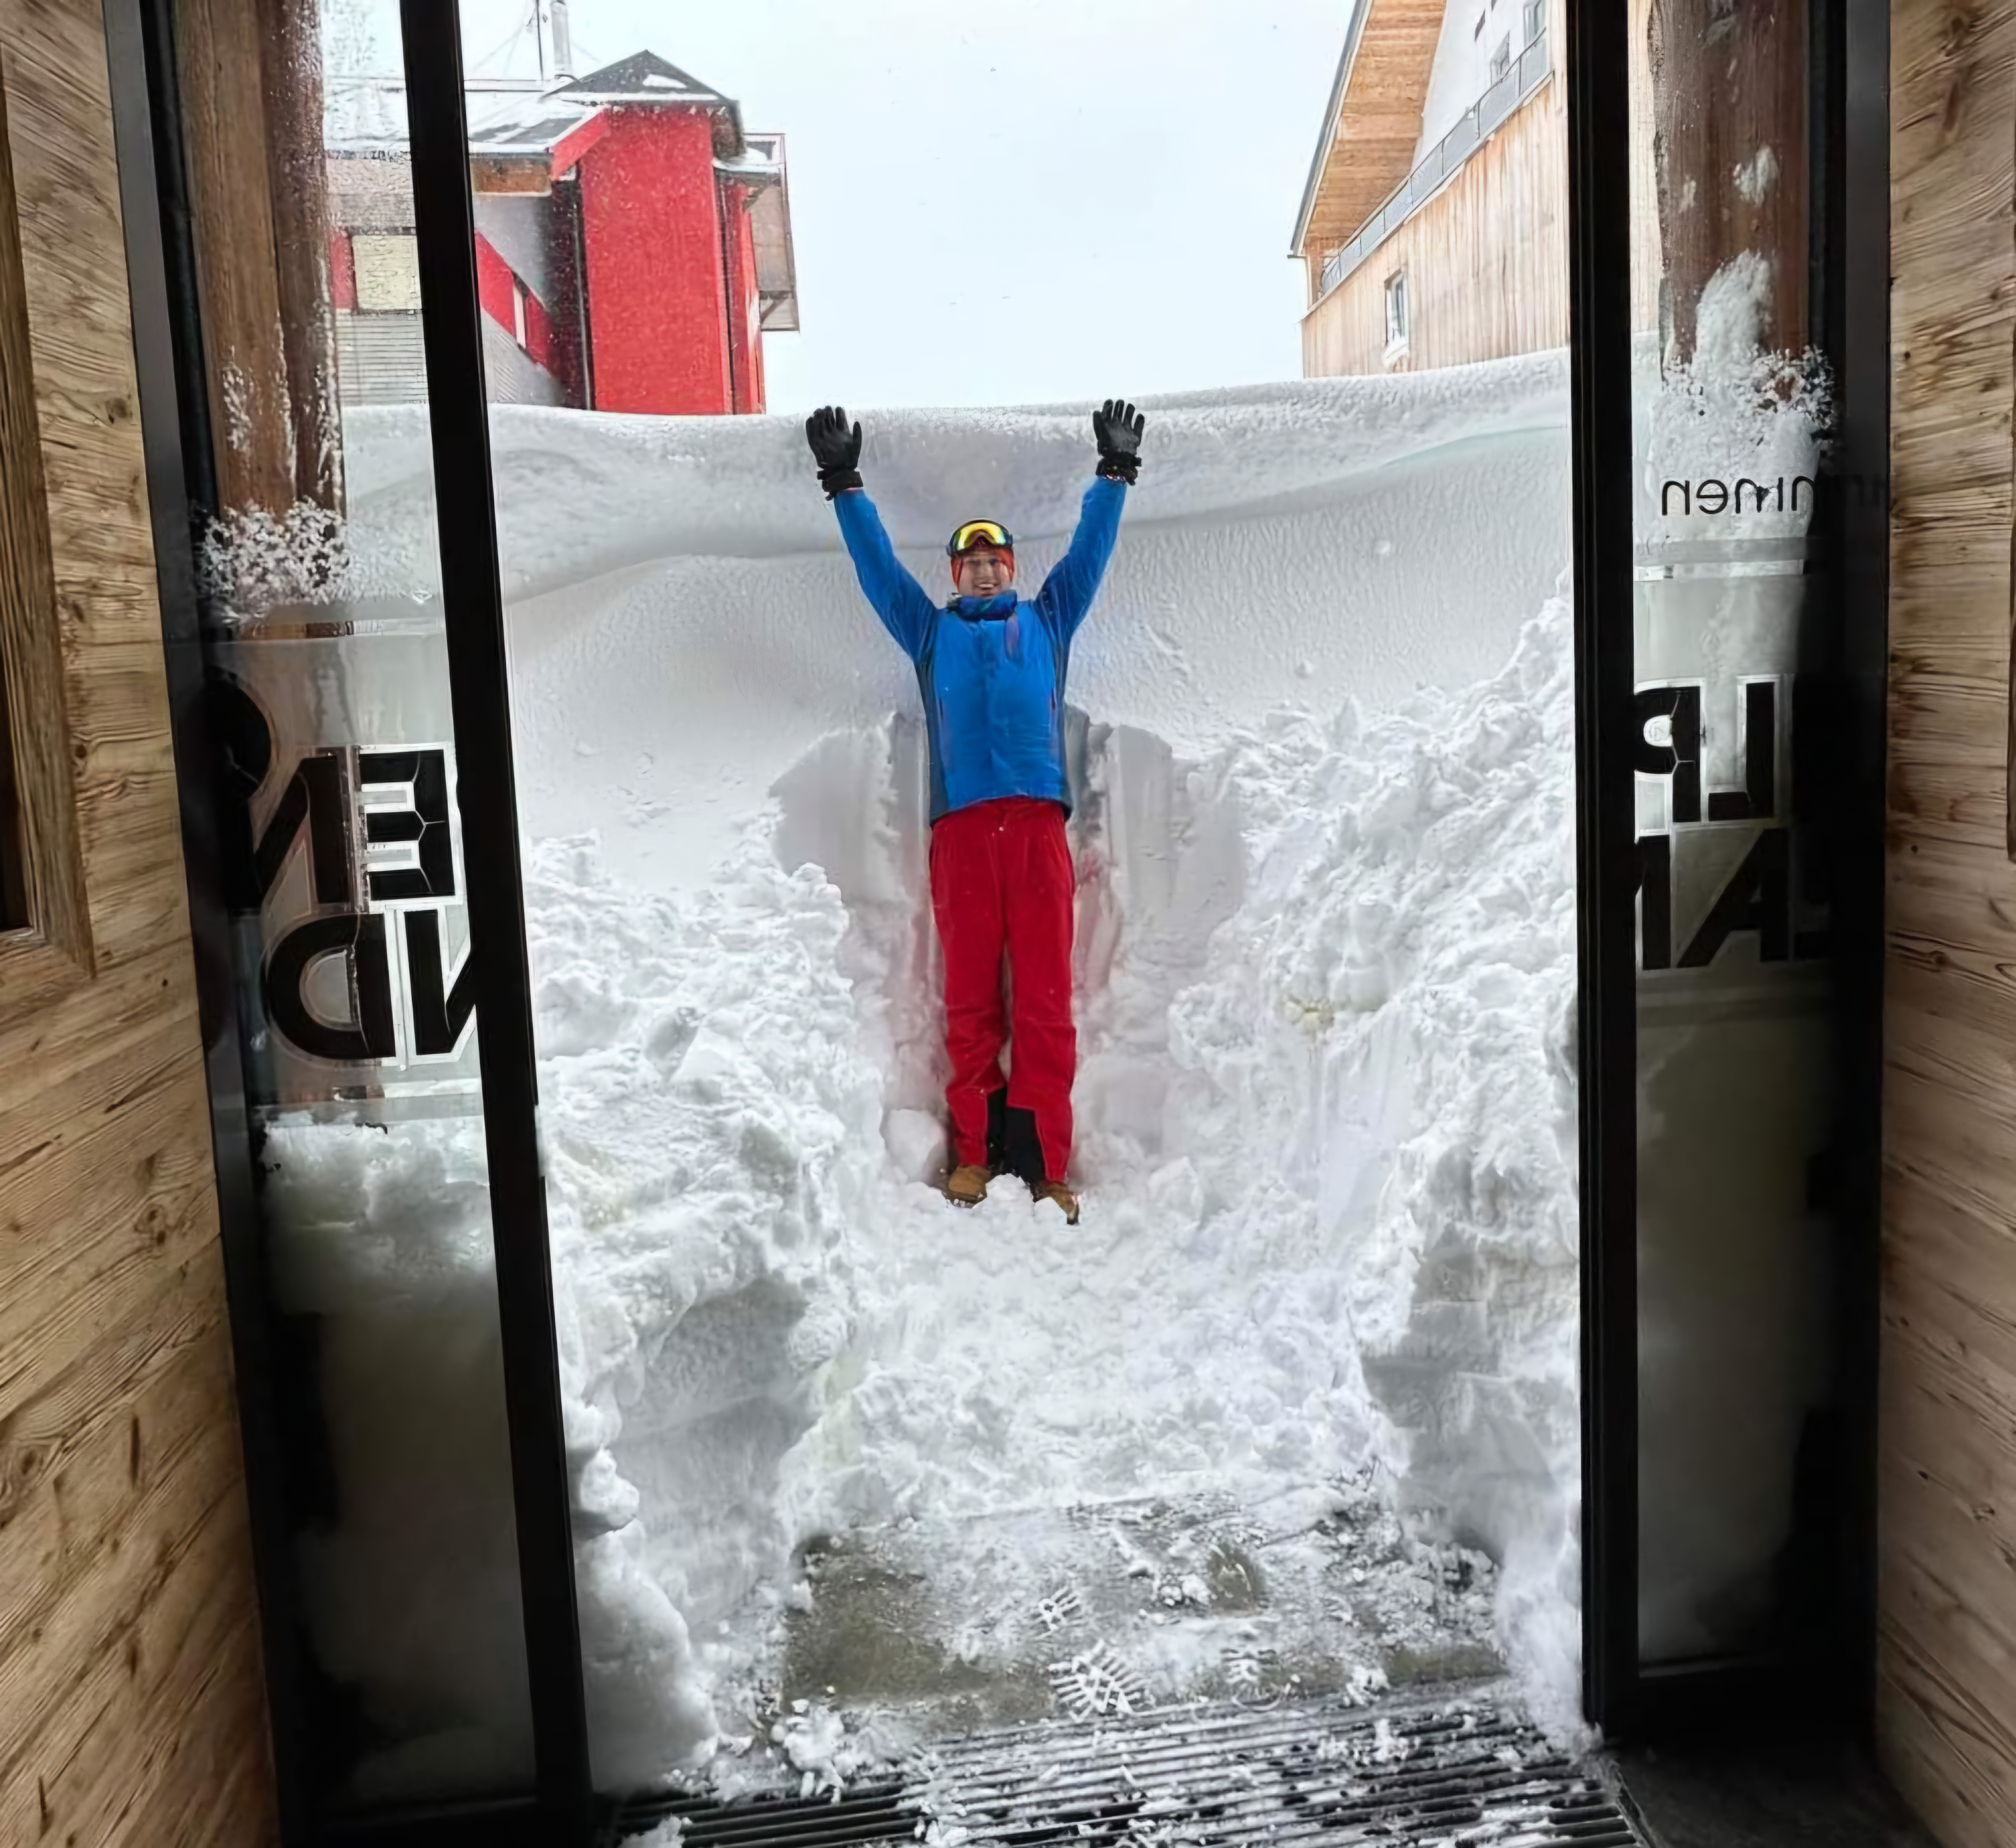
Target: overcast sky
{"points": [[1036, 200]]}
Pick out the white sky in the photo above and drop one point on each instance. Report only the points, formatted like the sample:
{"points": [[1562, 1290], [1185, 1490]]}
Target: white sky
{"points": [[1035, 199]]}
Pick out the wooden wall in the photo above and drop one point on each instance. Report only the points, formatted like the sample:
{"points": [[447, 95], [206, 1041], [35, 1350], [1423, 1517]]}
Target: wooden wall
{"points": [[1486, 259], [132, 1706], [251, 73], [1372, 137], [1946, 1667]]}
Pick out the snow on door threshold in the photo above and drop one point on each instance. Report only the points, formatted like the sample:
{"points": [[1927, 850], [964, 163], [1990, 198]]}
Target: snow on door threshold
{"points": [[899, 1636], [1466, 1771]]}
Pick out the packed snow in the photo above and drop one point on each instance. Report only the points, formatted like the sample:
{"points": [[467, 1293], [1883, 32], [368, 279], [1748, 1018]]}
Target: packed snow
{"points": [[1326, 971]]}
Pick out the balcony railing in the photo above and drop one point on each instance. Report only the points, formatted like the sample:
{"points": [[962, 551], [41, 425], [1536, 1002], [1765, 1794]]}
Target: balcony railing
{"points": [[1472, 131]]}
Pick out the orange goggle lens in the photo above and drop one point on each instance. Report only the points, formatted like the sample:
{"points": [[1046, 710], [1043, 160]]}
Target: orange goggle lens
{"points": [[980, 532]]}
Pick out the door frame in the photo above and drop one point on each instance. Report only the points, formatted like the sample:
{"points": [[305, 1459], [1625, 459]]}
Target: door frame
{"points": [[1848, 155], [1851, 142], [1598, 77], [558, 1810]]}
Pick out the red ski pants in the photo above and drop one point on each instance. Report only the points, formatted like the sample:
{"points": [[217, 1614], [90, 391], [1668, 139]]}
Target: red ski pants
{"points": [[1002, 880]]}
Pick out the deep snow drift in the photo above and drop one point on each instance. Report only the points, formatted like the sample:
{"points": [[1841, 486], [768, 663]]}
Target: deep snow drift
{"points": [[1325, 978], [684, 626]]}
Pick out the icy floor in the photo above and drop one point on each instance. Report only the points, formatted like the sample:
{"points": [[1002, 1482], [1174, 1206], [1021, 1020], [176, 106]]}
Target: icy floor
{"points": [[938, 1628]]}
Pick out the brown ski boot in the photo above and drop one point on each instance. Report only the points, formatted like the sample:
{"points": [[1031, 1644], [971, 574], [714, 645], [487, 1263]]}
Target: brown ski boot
{"points": [[967, 1184], [1065, 1198]]}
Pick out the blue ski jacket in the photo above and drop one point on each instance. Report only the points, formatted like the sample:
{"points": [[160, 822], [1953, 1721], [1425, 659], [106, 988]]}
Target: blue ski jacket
{"points": [[991, 669]]}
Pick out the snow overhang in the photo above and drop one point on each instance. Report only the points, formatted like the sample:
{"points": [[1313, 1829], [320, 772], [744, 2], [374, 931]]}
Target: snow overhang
{"points": [[1373, 122], [527, 156]]}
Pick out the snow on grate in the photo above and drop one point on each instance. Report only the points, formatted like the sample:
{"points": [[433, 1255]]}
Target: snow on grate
{"points": [[1471, 1774]]}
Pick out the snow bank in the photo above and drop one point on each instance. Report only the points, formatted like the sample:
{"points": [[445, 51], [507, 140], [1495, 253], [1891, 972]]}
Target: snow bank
{"points": [[1390, 1015], [684, 626], [1325, 960]]}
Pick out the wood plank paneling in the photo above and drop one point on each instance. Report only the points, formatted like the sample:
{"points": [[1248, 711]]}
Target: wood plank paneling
{"points": [[1486, 258], [251, 82], [1731, 171], [1945, 1695], [132, 1710], [1370, 142]]}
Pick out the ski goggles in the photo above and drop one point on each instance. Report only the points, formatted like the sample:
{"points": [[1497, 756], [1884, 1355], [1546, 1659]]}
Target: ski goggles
{"points": [[980, 532]]}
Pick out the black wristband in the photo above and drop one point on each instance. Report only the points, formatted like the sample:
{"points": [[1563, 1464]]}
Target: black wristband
{"points": [[1120, 468], [838, 480]]}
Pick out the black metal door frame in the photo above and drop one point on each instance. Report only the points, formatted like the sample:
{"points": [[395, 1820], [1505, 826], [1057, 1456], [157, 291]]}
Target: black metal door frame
{"points": [[1617, 1695], [1598, 72], [558, 1811], [1849, 132]]}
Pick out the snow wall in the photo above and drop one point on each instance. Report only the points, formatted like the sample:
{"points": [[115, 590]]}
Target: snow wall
{"points": [[685, 625], [1323, 748]]}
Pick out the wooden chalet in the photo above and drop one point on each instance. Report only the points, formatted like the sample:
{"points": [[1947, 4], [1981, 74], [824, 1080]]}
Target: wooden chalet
{"points": [[1434, 224]]}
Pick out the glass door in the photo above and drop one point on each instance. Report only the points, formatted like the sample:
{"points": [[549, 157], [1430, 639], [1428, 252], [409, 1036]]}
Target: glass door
{"points": [[344, 737], [654, 802], [1731, 1364], [1058, 1089]]}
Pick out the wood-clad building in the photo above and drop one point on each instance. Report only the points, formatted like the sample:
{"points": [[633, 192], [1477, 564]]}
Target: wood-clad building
{"points": [[132, 1704], [1434, 224], [1946, 1682]]}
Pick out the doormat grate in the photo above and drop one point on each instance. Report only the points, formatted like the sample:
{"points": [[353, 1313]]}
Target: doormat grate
{"points": [[1466, 1774]]}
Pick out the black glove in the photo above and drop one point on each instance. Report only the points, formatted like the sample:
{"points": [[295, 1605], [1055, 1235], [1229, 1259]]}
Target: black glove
{"points": [[1118, 426], [836, 447]]}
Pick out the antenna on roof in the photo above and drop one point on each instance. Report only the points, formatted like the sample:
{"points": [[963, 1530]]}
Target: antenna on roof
{"points": [[556, 16]]}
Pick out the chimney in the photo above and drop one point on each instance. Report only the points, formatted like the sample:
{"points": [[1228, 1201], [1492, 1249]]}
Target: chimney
{"points": [[556, 12]]}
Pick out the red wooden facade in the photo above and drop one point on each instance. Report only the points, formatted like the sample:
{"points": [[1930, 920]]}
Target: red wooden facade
{"points": [[633, 246]]}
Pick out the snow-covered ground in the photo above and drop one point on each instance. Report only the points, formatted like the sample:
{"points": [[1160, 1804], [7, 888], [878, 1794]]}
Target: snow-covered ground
{"points": [[1325, 987]]}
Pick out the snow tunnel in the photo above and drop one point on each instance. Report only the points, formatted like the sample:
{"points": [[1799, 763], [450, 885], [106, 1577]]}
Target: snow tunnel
{"points": [[1459, 756]]}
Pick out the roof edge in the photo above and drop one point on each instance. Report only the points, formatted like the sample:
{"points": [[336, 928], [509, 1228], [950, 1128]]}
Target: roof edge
{"points": [[1352, 34]]}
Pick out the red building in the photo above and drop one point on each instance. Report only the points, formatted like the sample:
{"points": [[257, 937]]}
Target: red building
{"points": [[633, 243]]}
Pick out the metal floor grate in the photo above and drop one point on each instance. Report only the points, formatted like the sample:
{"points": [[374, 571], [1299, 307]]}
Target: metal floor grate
{"points": [[1466, 1774]]}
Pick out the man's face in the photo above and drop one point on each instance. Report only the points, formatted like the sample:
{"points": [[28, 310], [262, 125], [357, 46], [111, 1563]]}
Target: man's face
{"points": [[982, 572]]}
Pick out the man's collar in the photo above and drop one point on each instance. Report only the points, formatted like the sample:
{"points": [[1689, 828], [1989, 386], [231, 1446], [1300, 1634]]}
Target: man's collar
{"points": [[980, 608]]}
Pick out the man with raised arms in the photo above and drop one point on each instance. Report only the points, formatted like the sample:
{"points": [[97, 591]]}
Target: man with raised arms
{"points": [[990, 667]]}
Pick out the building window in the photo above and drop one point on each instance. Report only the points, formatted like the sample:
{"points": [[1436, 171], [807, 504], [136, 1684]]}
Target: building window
{"points": [[1396, 313], [1501, 59], [1533, 18], [388, 273]]}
